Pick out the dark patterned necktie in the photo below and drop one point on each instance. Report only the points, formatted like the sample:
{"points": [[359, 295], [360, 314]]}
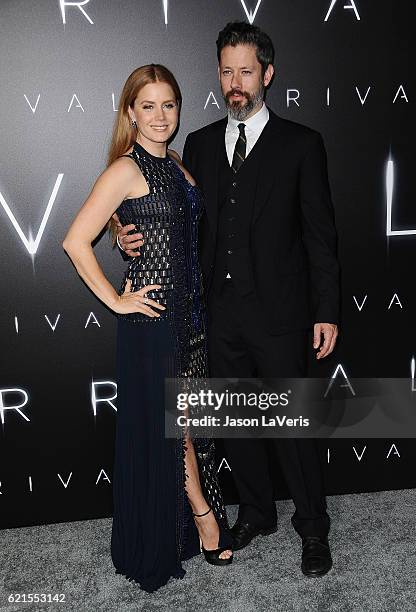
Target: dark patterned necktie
{"points": [[240, 149]]}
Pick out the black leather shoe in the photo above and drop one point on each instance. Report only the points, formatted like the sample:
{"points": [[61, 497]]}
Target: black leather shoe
{"points": [[243, 533], [316, 556]]}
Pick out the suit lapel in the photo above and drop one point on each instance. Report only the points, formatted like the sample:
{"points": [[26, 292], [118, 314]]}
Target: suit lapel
{"points": [[267, 174]]}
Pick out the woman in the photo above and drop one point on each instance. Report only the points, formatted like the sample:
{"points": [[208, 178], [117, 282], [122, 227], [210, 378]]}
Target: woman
{"points": [[158, 483]]}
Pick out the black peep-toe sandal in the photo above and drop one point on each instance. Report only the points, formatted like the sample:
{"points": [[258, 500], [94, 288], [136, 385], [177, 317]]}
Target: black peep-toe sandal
{"points": [[213, 556]]}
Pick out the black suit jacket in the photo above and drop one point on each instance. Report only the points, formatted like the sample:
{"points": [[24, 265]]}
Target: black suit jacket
{"points": [[292, 236]]}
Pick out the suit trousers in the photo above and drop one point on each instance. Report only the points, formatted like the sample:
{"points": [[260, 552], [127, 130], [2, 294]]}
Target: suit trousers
{"points": [[240, 346]]}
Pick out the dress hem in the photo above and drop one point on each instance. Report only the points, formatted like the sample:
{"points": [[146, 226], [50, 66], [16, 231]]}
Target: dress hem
{"points": [[151, 586]]}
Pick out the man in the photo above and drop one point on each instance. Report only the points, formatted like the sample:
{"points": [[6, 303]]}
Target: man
{"points": [[268, 255]]}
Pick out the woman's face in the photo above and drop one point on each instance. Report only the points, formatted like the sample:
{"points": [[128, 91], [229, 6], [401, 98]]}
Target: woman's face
{"points": [[156, 112]]}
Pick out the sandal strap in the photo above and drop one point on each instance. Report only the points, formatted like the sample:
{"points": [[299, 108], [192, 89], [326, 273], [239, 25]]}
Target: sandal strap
{"points": [[217, 551], [204, 513]]}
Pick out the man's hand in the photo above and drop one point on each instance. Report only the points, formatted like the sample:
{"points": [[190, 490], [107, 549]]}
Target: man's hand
{"points": [[128, 241], [330, 333]]}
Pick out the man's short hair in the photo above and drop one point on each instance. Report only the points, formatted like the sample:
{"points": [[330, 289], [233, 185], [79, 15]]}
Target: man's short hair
{"points": [[242, 33]]}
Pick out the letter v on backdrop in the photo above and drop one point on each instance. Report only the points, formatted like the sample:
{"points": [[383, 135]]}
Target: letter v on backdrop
{"points": [[30, 243], [251, 15]]}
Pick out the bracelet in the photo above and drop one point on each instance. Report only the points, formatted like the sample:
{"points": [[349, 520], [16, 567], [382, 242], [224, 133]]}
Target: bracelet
{"points": [[118, 242]]}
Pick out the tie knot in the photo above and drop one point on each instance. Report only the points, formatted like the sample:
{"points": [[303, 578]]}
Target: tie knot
{"points": [[241, 127]]}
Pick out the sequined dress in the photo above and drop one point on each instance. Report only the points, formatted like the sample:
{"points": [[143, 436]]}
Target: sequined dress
{"points": [[153, 530]]}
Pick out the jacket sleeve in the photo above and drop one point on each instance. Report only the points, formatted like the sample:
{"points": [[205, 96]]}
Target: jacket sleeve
{"points": [[124, 255], [319, 232]]}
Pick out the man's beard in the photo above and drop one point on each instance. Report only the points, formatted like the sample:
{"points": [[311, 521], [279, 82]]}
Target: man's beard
{"points": [[239, 111]]}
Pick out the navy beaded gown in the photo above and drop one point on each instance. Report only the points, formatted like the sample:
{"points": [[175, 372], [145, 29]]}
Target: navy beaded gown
{"points": [[153, 530]]}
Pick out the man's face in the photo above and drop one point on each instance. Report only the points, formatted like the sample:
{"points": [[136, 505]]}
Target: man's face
{"points": [[241, 81]]}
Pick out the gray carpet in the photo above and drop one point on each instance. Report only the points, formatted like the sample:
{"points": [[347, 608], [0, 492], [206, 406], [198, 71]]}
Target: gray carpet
{"points": [[373, 543]]}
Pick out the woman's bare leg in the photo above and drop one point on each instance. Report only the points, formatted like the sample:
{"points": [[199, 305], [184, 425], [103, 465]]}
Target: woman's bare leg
{"points": [[207, 525]]}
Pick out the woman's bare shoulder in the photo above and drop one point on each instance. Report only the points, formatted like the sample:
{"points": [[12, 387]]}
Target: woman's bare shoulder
{"points": [[125, 172], [125, 167]]}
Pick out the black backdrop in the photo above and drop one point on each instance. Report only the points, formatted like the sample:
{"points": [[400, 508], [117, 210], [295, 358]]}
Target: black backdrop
{"points": [[342, 68]]}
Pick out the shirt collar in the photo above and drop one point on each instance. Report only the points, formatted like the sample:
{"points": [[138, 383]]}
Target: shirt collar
{"points": [[255, 123]]}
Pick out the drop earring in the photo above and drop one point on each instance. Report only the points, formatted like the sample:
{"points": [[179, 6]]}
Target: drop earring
{"points": [[134, 124]]}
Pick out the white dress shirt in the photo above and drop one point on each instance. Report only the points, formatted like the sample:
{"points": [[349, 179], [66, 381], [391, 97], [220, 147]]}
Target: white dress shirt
{"points": [[254, 127]]}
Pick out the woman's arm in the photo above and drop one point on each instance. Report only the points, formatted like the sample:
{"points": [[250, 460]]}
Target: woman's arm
{"points": [[114, 184]]}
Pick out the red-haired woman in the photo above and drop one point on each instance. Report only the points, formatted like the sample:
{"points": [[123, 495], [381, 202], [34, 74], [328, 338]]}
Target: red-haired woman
{"points": [[165, 491]]}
